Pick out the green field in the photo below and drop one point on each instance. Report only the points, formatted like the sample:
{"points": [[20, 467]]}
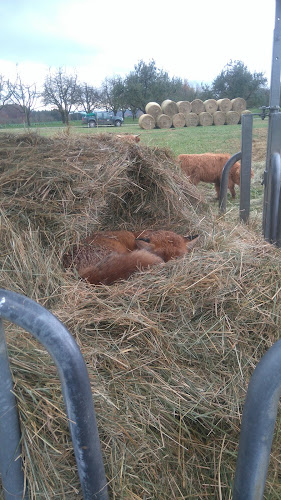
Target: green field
{"points": [[180, 140]]}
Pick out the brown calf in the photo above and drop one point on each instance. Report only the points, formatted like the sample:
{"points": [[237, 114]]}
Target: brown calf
{"points": [[129, 137], [108, 256], [208, 167]]}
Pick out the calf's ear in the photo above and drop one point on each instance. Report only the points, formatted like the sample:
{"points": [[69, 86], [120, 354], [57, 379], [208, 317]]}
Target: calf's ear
{"points": [[191, 237], [144, 244], [191, 241]]}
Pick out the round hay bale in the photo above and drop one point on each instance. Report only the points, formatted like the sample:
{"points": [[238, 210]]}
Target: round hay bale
{"points": [[178, 120], [184, 107], [197, 106], [146, 122], [191, 120], [238, 104], [219, 118], [205, 119], [232, 118], [169, 108], [211, 106], [224, 105], [153, 109], [164, 121], [245, 112]]}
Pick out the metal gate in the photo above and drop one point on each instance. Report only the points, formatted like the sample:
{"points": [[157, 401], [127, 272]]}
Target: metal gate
{"points": [[76, 390]]}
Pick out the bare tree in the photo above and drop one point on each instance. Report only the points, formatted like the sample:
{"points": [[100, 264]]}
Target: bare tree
{"points": [[61, 90], [5, 92], [89, 97], [113, 94], [24, 97]]}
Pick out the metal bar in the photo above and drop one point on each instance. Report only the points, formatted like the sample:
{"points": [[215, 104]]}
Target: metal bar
{"points": [[10, 450], [258, 422], [274, 103], [48, 330], [224, 180], [278, 229], [273, 146], [246, 164], [275, 177]]}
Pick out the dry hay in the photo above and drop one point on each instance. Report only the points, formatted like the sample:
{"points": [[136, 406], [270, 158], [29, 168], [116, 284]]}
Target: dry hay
{"points": [[164, 121], [224, 105], [232, 118], [238, 104], [259, 145], [169, 352], [179, 120], [191, 120], [245, 112], [205, 119], [146, 122], [211, 106], [45, 181], [219, 118], [169, 108], [184, 107], [197, 106], [153, 109]]}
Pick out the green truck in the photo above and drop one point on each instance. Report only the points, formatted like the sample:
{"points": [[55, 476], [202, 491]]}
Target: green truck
{"points": [[97, 118]]}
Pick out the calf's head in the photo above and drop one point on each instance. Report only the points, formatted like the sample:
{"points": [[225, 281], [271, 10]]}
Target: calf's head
{"points": [[166, 244]]}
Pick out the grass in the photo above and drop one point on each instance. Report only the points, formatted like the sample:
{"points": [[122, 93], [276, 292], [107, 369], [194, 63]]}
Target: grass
{"points": [[182, 140]]}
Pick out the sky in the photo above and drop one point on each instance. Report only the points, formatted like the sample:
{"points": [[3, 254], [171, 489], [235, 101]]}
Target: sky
{"points": [[190, 39]]}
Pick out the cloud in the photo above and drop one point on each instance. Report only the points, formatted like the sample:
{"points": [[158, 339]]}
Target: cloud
{"points": [[103, 39]]}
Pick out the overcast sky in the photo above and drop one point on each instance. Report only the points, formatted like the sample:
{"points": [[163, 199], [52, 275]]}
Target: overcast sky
{"points": [[97, 39]]}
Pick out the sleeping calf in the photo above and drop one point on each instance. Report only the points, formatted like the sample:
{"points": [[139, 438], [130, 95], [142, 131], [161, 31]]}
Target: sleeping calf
{"points": [[108, 256]]}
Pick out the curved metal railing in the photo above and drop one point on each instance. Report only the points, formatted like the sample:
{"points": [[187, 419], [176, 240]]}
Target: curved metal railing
{"points": [[50, 332]]}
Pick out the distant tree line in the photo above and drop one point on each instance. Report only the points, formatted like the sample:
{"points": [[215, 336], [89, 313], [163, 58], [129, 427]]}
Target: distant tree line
{"points": [[64, 94]]}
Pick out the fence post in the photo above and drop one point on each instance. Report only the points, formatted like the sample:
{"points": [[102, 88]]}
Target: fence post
{"points": [[274, 119], [270, 176], [246, 163], [76, 389]]}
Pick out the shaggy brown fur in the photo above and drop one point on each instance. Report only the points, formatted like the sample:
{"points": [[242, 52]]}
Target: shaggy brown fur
{"points": [[166, 244], [119, 266], [97, 246], [129, 137], [208, 167], [108, 256]]}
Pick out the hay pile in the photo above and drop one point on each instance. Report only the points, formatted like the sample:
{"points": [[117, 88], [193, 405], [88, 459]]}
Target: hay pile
{"points": [[164, 121], [232, 118], [205, 119], [169, 352], [211, 106], [224, 105], [191, 114]]}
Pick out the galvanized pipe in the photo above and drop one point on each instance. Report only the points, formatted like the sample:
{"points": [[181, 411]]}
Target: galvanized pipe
{"points": [[10, 436], [274, 100], [246, 164], [274, 147], [224, 180], [275, 178], [274, 120], [48, 330], [258, 422]]}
